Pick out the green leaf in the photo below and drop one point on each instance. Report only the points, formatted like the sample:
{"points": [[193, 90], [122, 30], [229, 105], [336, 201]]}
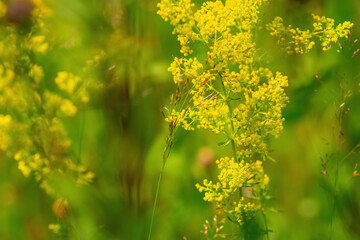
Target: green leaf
{"points": [[224, 143]]}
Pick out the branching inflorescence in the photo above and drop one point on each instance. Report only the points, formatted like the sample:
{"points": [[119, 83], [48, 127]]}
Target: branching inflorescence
{"points": [[301, 41], [34, 104], [230, 94]]}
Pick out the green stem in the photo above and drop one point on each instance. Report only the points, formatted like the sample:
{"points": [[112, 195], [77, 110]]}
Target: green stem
{"points": [[230, 117], [81, 136], [340, 117], [334, 199], [265, 224], [155, 201], [169, 144], [266, 227]]}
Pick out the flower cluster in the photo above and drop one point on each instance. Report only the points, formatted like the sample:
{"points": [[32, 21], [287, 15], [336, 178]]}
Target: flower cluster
{"points": [[34, 104], [229, 94], [234, 176], [179, 14], [301, 41]]}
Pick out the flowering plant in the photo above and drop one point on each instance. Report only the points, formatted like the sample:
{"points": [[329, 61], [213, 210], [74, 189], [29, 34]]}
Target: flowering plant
{"points": [[227, 91]]}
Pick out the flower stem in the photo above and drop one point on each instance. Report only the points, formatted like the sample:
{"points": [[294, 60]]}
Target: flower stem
{"points": [[155, 201], [230, 117], [169, 144]]}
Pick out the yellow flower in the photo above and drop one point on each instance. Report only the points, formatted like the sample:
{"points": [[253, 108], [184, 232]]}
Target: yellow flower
{"points": [[68, 108], [67, 82], [38, 44], [227, 94], [24, 168], [301, 41]]}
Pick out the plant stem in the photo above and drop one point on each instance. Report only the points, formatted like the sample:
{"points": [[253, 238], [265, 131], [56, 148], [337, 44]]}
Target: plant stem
{"points": [[169, 144], [334, 200], [340, 118], [265, 224], [230, 117], [266, 228], [81, 137], [155, 201]]}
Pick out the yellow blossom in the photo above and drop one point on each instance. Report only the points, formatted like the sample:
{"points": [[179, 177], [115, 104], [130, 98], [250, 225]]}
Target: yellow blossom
{"points": [[67, 82], [24, 168], [68, 108], [38, 44], [226, 94], [301, 41]]}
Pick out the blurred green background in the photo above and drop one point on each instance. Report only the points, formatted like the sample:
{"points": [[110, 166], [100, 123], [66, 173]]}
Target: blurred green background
{"points": [[121, 133]]}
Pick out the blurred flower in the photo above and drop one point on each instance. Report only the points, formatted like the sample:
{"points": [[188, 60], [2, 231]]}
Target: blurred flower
{"points": [[55, 228], [19, 11], [60, 208], [205, 157]]}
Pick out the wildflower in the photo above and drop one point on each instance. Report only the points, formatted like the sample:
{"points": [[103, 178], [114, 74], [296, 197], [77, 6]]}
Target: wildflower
{"points": [[228, 95], [31, 117], [232, 178], [301, 41]]}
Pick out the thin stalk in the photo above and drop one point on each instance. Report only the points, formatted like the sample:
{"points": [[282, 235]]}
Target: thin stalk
{"points": [[233, 132], [81, 137], [155, 201], [334, 200], [340, 117], [230, 116], [266, 227], [169, 144], [264, 218]]}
